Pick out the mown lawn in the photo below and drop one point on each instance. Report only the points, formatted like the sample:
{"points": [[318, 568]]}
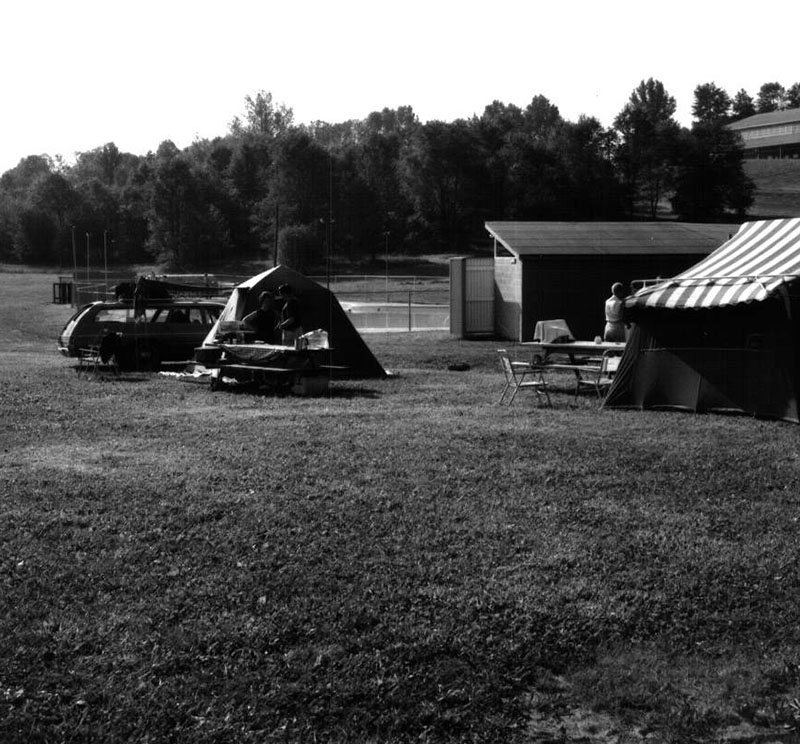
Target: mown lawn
{"points": [[777, 185], [402, 560]]}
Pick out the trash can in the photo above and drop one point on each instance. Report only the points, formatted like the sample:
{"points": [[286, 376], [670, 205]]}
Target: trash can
{"points": [[62, 293]]}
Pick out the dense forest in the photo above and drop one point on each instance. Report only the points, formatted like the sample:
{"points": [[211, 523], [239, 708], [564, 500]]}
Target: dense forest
{"points": [[273, 189]]}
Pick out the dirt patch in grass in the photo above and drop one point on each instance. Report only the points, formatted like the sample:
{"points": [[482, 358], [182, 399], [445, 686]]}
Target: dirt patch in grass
{"points": [[96, 458]]}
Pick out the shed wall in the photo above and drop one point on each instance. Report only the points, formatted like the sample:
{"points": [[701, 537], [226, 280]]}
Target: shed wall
{"points": [[575, 287], [508, 297]]}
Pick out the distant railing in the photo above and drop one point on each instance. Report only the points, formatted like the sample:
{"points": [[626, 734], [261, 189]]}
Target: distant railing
{"points": [[393, 303], [637, 284], [378, 287], [92, 289], [397, 316], [372, 302]]}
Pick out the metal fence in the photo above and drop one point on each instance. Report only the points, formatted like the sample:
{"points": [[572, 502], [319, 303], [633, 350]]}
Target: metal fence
{"points": [[392, 303], [397, 316], [380, 288], [372, 302]]}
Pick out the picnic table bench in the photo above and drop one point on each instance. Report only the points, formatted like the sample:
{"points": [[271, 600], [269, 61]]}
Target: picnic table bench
{"points": [[284, 369]]}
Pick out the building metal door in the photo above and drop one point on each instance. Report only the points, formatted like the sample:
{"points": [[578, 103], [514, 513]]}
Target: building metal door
{"points": [[472, 297]]}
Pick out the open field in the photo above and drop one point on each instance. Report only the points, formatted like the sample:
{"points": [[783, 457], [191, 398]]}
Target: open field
{"points": [[402, 560], [777, 187]]}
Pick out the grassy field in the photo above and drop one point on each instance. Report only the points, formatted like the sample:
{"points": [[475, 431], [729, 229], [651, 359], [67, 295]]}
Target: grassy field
{"points": [[777, 187], [402, 560]]}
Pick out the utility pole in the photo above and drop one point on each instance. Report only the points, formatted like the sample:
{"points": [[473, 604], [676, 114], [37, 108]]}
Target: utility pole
{"points": [[277, 217], [74, 257], [330, 214], [386, 261], [105, 258]]}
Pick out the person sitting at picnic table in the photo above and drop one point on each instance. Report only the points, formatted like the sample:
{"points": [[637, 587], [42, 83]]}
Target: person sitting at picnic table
{"points": [[262, 321], [290, 324], [615, 326]]}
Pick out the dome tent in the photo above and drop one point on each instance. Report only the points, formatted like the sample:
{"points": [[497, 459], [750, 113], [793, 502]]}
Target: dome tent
{"points": [[319, 310]]}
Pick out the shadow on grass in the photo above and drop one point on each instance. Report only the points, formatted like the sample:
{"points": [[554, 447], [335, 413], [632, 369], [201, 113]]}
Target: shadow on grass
{"points": [[123, 376], [339, 391], [350, 392]]}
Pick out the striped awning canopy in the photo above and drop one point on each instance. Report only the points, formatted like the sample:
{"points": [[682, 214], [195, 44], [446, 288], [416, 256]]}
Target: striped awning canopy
{"points": [[761, 257]]}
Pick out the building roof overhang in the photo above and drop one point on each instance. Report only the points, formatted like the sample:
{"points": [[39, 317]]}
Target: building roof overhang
{"points": [[523, 239], [770, 119]]}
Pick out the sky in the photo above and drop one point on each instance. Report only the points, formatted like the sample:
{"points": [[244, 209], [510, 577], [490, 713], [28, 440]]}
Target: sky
{"points": [[78, 74]]}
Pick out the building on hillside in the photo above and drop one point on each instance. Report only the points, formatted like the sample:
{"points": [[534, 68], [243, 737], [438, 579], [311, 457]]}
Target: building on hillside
{"points": [[773, 135], [549, 270]]}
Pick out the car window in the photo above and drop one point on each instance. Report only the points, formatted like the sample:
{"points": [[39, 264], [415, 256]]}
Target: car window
{"points": [[157, 315], [85, 310], [113, 315], [196, 315], [176, 315]]}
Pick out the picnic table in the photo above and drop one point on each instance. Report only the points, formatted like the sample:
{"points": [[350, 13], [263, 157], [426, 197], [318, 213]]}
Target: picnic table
{"points": [[592, 362], [575, 351], [281, 368]]}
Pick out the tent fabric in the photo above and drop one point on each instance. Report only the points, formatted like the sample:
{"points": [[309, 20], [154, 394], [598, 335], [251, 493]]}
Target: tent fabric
{"points": [[761, 257], [723, 335], [319, 310], [756, 376]]}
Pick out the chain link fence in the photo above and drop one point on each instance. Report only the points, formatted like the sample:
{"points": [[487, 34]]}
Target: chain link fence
{"points": [[376, 303], [373, 302]]}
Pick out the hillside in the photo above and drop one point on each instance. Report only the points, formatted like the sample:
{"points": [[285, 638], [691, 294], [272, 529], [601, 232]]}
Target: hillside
{"points": [[777, 187]]}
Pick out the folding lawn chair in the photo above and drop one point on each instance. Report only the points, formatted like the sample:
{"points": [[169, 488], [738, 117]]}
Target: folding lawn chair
{"points": [[103, 354], [600, 381], [519, 376]]}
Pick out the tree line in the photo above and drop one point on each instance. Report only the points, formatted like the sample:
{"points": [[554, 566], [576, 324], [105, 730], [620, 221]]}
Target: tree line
{"points": [[296, 194]]}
